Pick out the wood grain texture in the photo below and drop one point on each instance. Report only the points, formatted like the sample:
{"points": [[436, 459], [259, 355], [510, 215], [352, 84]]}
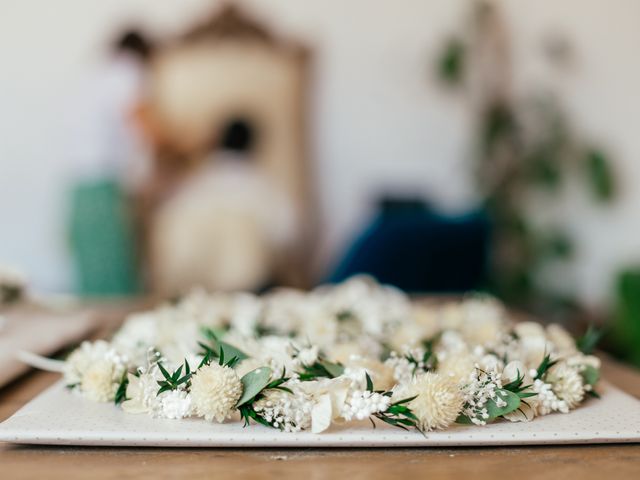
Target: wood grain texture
{"points": [[567, 462]]}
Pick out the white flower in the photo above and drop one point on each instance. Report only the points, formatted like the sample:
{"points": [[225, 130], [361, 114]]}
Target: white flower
{"points": [[547, 401], [457, 366], [532, 342], [403, 369], [562, 340], [484, 319], [438, 401], [101, 380], [328, 396], [381, 374], [215, 390], [580, 360], [290, 412], [362, 404], [482, 387], [96, 369], [141, 393], [566, 382], [174, 404], [307, 356]]}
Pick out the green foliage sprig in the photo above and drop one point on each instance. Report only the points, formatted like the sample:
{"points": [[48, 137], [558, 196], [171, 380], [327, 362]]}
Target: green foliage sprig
{"points": [[398, 414], [545, 366], [589, 341], [174, 380], [322, 368], [121, 392], [215, 348], [255, 384]]}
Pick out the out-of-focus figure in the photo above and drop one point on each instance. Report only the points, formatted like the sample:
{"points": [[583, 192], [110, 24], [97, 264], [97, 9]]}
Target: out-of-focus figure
{"points": [[225, 217], [108, 161], [228, 223]]}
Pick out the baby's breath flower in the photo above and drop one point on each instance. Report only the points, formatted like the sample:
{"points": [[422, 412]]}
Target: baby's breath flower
{"points": [[290, 412], [174, 404], [361, 404], [481, 387], [215, 390]]}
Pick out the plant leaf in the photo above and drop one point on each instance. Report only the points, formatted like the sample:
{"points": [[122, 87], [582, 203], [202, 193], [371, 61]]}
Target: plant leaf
{"points": [[513, 403], [253, 383], [590, 375]]}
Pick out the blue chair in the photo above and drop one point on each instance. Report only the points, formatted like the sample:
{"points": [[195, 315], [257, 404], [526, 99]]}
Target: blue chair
{"points": [[418, 250]]}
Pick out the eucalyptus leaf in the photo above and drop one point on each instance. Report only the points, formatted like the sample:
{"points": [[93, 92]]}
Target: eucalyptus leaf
{"points": [[591, 375], [333, 368], [513, 403], [253, 383], [464, 420]]}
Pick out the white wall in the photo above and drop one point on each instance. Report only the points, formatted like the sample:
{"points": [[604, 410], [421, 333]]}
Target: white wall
{"points": [[379, 119]]}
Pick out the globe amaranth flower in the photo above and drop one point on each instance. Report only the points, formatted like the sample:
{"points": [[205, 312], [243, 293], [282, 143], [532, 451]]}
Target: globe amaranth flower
{"points": [[215, 390], [438, 400]]}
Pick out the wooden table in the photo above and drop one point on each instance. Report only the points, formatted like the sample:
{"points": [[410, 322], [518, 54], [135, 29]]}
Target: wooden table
{"points": [[496, 463]]}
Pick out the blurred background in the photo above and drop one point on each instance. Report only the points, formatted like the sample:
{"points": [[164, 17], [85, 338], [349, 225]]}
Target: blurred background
{"points": [[147, 146]]}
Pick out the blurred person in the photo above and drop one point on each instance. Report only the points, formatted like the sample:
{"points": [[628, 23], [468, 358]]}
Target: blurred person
{"points": [[109, 162], [227, 224]]}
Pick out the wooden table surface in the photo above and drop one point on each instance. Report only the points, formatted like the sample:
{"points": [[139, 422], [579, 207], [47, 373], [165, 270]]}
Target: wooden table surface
{"points": [[504, 463]]}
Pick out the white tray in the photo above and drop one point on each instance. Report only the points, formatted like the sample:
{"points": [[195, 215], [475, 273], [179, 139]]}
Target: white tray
{"points": [[60, 417], [42, 333]]}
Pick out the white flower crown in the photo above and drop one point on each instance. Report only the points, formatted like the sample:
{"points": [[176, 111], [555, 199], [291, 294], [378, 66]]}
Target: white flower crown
{"points": [[296, 361]]}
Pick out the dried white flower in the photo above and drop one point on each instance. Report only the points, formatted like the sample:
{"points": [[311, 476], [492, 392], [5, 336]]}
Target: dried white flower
{"points": [[100, 381], [96, 369], [566, 382], [174, 404], [457, 366], [382, 374], [215, 390], [290, 412], [361, 404], [141, 393], [438, 402]]}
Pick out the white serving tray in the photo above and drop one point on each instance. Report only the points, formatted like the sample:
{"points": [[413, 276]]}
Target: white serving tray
{"points": [[60, 417], [40, 332]]}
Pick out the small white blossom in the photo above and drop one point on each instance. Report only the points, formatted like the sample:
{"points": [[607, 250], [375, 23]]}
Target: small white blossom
{"points": [[290, 412], [215, 390], [174, 404], [362, 404]]}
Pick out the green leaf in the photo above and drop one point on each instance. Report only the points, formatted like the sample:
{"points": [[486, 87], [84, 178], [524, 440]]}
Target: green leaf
{"points": [[451, 62], [253, 383], [588, 342], [165, 374], [590, 375], [335, 369], [544, 366], [121, 393], [600, 175], [369, 383], [513, 403], [216, 344], [463, 420]]}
